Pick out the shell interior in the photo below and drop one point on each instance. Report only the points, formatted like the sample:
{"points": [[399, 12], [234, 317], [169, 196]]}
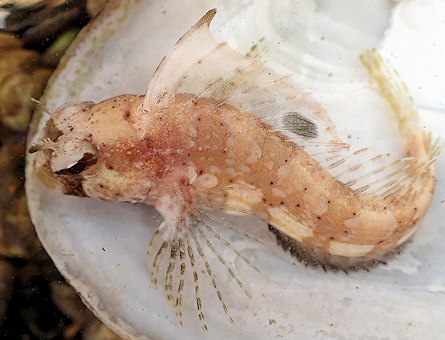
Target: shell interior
{"points": [[101, 247]]}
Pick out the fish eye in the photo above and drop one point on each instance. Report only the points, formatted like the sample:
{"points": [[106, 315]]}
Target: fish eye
{"points": [[77, 168], [87, 160]]}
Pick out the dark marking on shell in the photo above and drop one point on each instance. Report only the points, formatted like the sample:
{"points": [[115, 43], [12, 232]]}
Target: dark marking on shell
{"points": [[300, 125]]}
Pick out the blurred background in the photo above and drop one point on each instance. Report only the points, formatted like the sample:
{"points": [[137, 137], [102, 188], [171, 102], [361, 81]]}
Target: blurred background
{"points": [[35, 300]]}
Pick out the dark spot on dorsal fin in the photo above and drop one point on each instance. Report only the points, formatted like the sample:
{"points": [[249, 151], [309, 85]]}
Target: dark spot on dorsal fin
{"points": [[300, 125]]}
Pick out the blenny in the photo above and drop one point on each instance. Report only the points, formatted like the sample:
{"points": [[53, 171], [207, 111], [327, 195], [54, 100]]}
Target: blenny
{"points": [[218, 130]]}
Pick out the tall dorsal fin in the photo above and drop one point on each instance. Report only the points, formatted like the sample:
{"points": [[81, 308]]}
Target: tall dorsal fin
{"points": [[201, 67], [192, 46]]}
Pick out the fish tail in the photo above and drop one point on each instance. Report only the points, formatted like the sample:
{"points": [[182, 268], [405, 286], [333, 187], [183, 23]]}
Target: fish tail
{"points": [[396, 93], [392, 87]]}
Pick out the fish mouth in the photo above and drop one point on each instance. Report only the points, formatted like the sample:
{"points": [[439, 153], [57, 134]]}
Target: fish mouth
{"points": [[68, 185], [317, 258]]}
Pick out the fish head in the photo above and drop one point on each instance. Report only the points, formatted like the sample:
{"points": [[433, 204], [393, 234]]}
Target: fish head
{"points": [[90, 150], [66, 152]]}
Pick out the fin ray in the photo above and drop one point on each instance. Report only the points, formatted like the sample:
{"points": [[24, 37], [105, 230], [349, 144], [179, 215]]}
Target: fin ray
{"points": [[200, 66], [211, 275]]}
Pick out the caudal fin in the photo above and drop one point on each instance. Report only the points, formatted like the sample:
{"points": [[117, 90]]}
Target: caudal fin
{"points": [[391, 86]]}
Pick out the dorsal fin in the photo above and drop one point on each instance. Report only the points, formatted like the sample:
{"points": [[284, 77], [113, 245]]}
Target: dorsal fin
{"points": [[187, 50], [201, 67]]}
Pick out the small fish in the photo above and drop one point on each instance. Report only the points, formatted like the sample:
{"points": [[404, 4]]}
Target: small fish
{"points": [[219, 131]]}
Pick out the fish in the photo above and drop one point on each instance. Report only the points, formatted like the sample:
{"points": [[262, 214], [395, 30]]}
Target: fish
{"points": [[219, 131]]}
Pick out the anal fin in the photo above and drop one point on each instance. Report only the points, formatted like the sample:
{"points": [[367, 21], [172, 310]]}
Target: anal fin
{"points": [[312, 257]]}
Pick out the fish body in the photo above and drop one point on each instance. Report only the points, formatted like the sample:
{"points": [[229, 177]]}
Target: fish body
{"points": [[236, 141]]}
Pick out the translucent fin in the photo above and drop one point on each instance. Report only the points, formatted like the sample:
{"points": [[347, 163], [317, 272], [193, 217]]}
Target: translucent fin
{"points": [[367, 172], [193, 266], [203, 68], [393, 89], [258, 49], [312, 257], [387, 79]]}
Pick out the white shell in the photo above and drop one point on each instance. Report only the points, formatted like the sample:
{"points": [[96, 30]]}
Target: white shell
{"points": [[101, 247]]}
